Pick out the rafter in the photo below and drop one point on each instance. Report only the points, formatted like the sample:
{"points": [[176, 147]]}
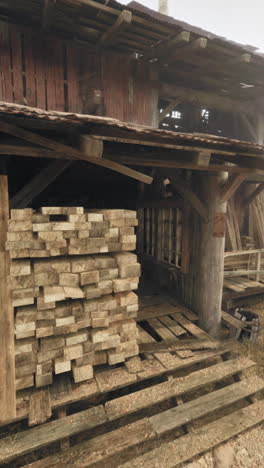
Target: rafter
{"points": [[111, 35], [181, 187], [170, 107], [72, 153], [254, 194], [177, 54], [39, 183], [231, 186], [48, 10], [165, 48]]}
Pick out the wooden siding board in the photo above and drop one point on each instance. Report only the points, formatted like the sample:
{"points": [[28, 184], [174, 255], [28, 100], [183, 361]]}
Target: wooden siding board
{"points": [[38, 47], [50, 66], [73, 82], [6, 74], [30, 70], [16, 47], [59, 76]]}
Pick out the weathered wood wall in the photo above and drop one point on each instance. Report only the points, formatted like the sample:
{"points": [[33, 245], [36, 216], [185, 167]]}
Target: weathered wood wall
{"points": [[46, 72]]}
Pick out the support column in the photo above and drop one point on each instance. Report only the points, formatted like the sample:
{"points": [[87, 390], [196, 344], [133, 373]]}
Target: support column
{"points": [[209, 260], [7, 347]]}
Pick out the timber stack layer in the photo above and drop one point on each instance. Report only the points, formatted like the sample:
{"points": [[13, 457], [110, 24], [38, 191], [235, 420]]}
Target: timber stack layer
{"points": [[74, 302]]}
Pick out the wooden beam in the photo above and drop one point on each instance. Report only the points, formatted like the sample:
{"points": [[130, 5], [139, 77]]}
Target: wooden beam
{"points": [[244, 58], [254, 194], [73, 153], [178, 164], [202, 158], [231, 274], [32, 151], [178, 54], [208, 266], [48, 10], [187, 194], [39, 183], [7, 344], [170, 107], [91, 146], [231, 186], [206, 98], [111, 35], [165, 48], [136, 139]]}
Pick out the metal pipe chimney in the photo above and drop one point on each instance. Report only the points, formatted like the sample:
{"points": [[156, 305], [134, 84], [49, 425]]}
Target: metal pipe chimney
{"points": [[164, 7]]}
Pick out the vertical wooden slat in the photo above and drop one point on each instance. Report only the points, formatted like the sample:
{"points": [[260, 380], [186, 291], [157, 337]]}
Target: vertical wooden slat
{"points": [[147, 231], [258, 264], [39, 46], [185, 239], [7, 352], [50, 65], [170, 236], [30, 70], [59, 75], [7, 87], [15, 36], [153, 231], [140, 231], [162, 234], [73, 85]]}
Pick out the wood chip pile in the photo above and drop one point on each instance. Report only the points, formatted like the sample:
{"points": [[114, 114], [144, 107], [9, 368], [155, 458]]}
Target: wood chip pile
{"points": [[73, 300]]}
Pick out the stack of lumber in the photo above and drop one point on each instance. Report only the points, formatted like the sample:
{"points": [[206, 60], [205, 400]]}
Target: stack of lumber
{"points": [[74, 306], [69, 231]]}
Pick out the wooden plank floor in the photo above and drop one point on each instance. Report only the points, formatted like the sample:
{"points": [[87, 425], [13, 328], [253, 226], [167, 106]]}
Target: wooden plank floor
{"points": [[132, 409]]}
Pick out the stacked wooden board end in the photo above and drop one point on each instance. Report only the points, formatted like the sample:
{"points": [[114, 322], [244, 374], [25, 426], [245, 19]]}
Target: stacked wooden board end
{"points": [[72, 280]]}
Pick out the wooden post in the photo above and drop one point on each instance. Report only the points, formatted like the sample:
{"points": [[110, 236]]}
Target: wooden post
{"points": [[7, 347], [209, 260]]}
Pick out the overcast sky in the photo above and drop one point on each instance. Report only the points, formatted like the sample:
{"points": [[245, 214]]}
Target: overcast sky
{"points": [[238, 20]]}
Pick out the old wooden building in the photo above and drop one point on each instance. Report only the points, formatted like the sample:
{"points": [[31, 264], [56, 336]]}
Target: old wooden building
{"points": [[106, 106]]}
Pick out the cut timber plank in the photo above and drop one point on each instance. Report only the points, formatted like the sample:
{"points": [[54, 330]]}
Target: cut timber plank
{"points": [[100, 448], [159, 328], [181, 450], [7, 345], [153, 311], [115, 378], [206, 404], [26, 441], [39, 407], [175, 345], [190, 327], [233, 321], [71, 152], [172, 326], [175, 387]]}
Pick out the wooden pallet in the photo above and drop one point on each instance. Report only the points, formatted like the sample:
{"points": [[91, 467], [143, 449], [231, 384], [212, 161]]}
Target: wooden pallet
{"points": [[147, 406], [65, 393], [241, 288]]}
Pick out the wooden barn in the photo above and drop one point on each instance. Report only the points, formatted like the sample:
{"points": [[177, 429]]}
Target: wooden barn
{"points": [[109, 107]]}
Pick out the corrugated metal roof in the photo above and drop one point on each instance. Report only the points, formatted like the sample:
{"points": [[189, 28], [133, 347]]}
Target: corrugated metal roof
{"points": [[116, 128]]}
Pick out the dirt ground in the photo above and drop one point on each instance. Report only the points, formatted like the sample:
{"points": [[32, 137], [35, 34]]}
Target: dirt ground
{"points": [[247, 449]]}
